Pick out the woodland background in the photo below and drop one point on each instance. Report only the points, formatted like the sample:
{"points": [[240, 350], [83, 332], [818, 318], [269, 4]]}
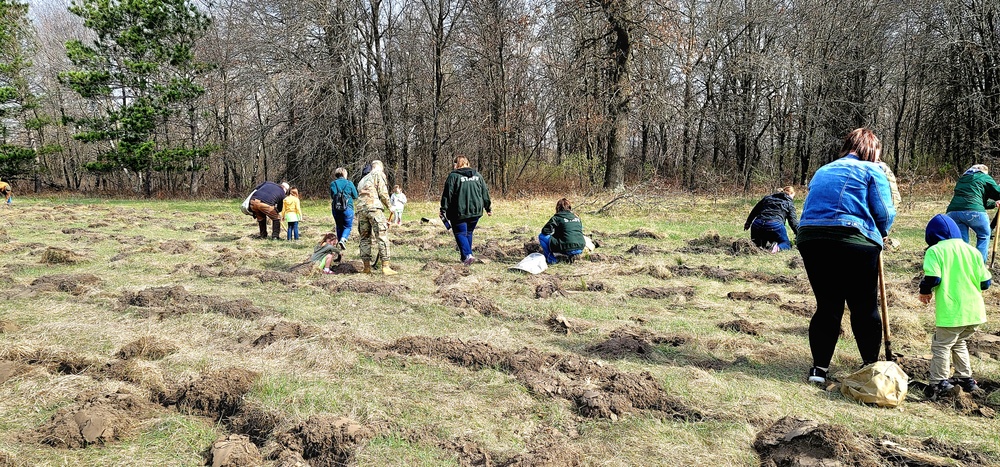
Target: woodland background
{"points": [[180, 98]]}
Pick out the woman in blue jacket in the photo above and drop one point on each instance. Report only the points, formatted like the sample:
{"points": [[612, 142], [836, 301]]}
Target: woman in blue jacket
{"points": [[846, 215]]}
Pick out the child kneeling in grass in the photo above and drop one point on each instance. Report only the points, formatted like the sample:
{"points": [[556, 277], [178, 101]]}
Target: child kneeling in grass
{"points": [[954, 271], [326, 253]]}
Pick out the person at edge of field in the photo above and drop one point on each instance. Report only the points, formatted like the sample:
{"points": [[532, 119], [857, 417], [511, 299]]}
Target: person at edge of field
{"points": [[396, 204], [327, 252], [562, 234], [954, 273], [373, 228], [7, 192], [266, 203], [845, 217], [463, 201], [343, 188], [975, 192], [293, 213], [767, 220]]}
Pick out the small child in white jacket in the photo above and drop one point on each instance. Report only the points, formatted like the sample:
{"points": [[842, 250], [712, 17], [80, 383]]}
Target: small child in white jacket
{"points": [[396, 202]]}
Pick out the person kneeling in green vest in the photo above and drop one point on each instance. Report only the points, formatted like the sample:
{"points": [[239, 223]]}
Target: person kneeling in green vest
{"points": [[562, 234]]}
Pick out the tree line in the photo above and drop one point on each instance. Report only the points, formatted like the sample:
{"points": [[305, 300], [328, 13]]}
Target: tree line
{"points": [[182, 97]]}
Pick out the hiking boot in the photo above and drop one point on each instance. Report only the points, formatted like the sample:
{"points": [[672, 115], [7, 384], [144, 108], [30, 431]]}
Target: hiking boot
{"points": [[386, 270], [469, 260], [817, 375], [967, 384], [941, 388], [368, 268]]}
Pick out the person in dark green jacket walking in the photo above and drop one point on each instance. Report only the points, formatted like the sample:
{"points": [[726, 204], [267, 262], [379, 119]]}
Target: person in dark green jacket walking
{"points": [[463, 201], [563, 234], [975, 192]]}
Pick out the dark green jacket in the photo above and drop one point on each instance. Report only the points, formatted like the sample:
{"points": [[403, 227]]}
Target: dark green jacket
{"points": [[465, 195], [974, 192], [566, 230]]}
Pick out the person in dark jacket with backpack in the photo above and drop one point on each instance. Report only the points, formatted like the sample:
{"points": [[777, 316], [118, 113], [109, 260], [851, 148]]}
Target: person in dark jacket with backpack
{"points": [[563, 234], [265, 203], [975, 192], [463, 201], [767, 221], [342, 196]]}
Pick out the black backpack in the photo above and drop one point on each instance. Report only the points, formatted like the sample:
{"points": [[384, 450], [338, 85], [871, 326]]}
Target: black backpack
{"points": [[339, 201]]}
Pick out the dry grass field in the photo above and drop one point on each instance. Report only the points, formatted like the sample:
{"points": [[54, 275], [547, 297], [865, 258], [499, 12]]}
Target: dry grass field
{"points": [[163, 333]]}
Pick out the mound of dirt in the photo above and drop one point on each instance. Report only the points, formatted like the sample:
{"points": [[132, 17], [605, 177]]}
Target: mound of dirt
{"points": [[483, 305], [657, 271], [683, 292], [741, 326], [548, 286], [217, 394], [711, 272], [984, 345], [798, 308], [745, 246], [98, 420], [146, 347], [799, 442], [234, 451], [54, 360], [176, 247], [564, 325], [754, 297], [176, 300], [596, 390], [156, 296], [73, 284], [643, 250], [384, 289], [284, 330], [240, 308], [56, 255], [254, 421], [915, 367], [323, 441], [449, 274], [643, 233]]}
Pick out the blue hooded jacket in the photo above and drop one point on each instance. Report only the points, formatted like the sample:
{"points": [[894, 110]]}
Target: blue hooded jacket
{"points": [[941, 227]]}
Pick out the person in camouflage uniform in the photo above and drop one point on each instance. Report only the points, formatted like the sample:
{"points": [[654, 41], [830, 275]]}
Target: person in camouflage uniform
{"points": [[373, 198]]}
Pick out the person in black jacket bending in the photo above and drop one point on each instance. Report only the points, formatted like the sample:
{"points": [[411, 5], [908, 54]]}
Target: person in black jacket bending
{"points": [[463, 200], [563, 233], [767, 221], [266, 203]]}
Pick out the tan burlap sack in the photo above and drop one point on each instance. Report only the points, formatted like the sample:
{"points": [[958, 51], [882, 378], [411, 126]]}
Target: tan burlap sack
{"points": [[881, 383]]}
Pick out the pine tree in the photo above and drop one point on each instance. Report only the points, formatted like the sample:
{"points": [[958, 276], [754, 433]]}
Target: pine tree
{"points": [[17, 157], [139, 71]]}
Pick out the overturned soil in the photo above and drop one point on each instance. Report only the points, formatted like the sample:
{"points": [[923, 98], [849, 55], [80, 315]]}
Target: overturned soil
{"points": [[799, 442], [383, 289], [322, 441], [596, 390], [682, 292], [146, 347], [479, 303], [754, 297], [176, 300], [56, 255], [234, 451], [548, 287], [741, 326], [564, 325], [73, 284], [99, 419], [284, 330], [634, 342], [217, 394]]}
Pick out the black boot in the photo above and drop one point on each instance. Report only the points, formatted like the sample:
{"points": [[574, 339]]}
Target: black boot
{"points": [[262, 225], [276, 229]]}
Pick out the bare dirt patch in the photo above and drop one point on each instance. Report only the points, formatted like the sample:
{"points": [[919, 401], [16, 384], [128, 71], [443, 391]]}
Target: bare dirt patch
{"points": [[56, 255], [99, 420], [798, 442], [217, 394], [798, 309], [634, 342], [176, 300], [146, 347], [596, 390], [748, 296], [682, 292], [564, 325], [449, 274], [741, 326], [284, 330], [479, 303], [234, 451], [548, 286], [322, 441], [73, 284], [643, 233]]}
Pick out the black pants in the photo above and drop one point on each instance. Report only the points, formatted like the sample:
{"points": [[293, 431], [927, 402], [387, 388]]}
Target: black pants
{"points": [[842, 273]]}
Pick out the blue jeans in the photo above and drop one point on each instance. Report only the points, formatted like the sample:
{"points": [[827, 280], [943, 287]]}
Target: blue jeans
{"points": [[343, 219], [293, 229], [463, 229], [762, 232], [550, 256], [979, 222]]}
